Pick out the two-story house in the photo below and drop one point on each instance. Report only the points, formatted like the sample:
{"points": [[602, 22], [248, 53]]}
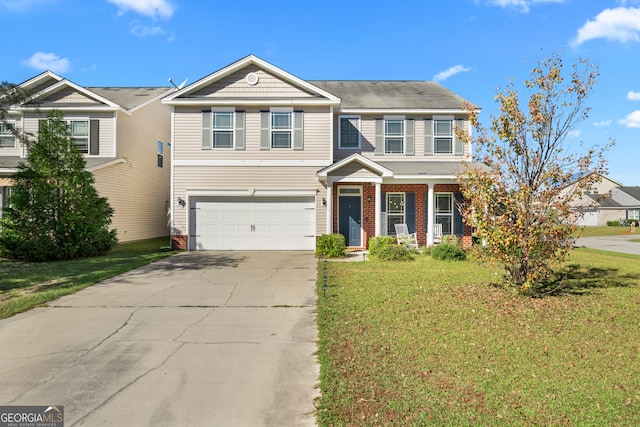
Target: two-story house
{"points": [[265, 160], [123, 134]]}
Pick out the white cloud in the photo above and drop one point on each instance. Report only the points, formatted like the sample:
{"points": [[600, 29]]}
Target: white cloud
{"points": [[144, 30], [521, 5], [574, 133], [151, 8], [633, 96], [603, 123], [444, 75], [632, 120], [48, 61], [620, 24]]}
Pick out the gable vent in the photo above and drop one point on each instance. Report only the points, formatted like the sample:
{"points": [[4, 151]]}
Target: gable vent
{"points": [[252, 78]]}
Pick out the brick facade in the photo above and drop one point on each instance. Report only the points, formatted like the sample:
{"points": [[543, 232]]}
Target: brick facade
{"points": [[369, 214], [179, 241]]}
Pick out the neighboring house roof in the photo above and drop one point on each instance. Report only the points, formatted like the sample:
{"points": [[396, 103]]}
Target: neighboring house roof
{"points": [[619, 198], [391, 95], [632, 191], [130, 97]]}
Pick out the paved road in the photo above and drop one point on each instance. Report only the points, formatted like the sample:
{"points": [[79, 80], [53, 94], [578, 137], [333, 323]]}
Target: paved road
{"points": [[620, 243], [198, 339]]}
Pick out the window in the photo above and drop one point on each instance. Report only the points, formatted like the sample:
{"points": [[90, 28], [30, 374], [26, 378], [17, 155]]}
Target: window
{"points": [[395, 211], [444, 211], [160, 154], [7, 140], [222, 129], [349, 132], [633, 214], [80, 134], [281, 129], [443, 136], [393, 136]]}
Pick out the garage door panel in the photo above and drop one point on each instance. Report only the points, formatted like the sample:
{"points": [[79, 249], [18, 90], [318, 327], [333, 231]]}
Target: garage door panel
{"points": [[261, 223]]}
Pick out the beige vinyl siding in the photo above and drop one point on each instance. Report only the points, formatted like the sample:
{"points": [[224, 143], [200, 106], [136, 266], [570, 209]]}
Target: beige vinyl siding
{"points": [[355, 170], [5, 181], [107, 127], [242, 179], [68, 95], [188, 137], [236, 86], [367, 129], [138, 190]]}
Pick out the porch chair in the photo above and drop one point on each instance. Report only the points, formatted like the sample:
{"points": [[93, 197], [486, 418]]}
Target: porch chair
{"points": [[437, 233], [404, 237]]}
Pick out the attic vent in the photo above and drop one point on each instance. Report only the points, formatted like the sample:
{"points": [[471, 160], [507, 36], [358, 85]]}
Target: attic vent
{"points": [[252, 78]]}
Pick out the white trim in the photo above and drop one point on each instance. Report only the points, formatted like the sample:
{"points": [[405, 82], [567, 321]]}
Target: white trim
{"points": [[343, 179], [252, 102], [172, 219], [267, 163], [330, 136], [356, 157], [106, 164], [242, 63], [251, 192], [361, 196]]}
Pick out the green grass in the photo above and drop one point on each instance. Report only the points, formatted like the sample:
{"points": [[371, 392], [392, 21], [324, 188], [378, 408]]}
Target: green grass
{"points": [[24, 285], [434, 343], [604, 231]]}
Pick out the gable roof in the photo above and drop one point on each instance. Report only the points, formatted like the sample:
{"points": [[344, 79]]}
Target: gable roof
{"points": [[186, 94], [48, 85], [388, 95]]}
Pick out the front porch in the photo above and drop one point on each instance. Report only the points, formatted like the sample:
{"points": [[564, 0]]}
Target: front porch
{"points": [[366, 198]]}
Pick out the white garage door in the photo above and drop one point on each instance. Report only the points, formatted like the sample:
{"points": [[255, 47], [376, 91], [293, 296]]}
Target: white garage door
{"points": [[590, 217], [252, 223]]}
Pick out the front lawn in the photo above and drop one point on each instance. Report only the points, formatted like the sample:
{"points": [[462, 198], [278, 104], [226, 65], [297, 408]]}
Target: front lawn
{"points": [[24, 285], [605, 231], [433, 343]]}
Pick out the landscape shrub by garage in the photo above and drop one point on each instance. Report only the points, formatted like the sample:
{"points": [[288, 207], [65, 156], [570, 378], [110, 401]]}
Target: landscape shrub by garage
{"points": [[331, 246]]}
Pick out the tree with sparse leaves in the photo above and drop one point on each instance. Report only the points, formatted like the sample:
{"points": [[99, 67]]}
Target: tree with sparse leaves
{"points": [[55, 213], [520, 204]]}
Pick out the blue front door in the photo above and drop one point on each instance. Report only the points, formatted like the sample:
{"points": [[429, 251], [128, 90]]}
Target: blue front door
{"points": [[349, 219]]}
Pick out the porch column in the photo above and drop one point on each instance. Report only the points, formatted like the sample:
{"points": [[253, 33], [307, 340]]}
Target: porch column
{"points": [[430, 214], [329, 207], [378, 208]]}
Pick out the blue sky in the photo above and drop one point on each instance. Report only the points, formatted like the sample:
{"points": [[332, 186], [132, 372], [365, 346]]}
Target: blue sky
{"points": [[469, 46]]}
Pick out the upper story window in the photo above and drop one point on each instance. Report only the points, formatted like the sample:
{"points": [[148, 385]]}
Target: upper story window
{"points": [[349, 132], [281, 129], [222, 129], [443, 136], [7, 139], [79, 130], [394, 136]]}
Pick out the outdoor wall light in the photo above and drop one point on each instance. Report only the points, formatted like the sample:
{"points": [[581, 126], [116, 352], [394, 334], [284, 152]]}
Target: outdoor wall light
{"points": [[324, 202], [181, 202], [369, 199]]}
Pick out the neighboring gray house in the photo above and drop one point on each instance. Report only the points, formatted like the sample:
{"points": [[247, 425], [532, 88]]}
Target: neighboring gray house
{"points": [[265, 160], [619, 203], [123, 133]]}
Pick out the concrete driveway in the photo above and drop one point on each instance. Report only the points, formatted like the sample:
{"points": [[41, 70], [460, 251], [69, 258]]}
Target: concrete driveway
{"points": [[197, 339], [622, 243]]}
